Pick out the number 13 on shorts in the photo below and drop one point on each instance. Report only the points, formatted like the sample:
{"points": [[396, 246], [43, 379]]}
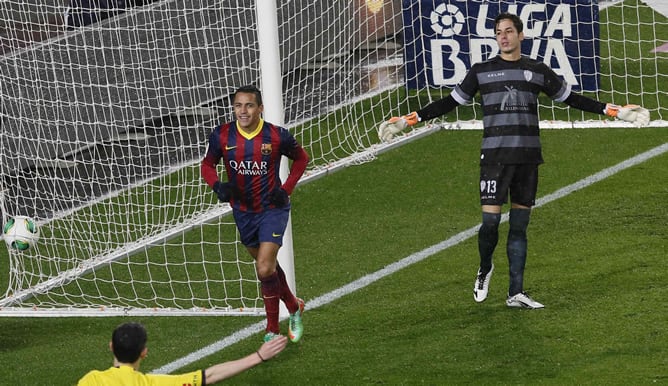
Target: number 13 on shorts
{"points": [[487, 187]]}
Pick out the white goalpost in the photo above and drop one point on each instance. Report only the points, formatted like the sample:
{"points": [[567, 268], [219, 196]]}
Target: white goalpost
{"points": [[105, 114]]}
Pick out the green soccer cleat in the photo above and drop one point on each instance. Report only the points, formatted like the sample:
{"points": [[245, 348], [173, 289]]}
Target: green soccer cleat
{"points": [[295, 327], [270, 335]]}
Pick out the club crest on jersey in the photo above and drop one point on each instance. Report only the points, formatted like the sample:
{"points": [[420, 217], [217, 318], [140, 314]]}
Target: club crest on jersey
{"points": [[528, 75], [265, 149]]}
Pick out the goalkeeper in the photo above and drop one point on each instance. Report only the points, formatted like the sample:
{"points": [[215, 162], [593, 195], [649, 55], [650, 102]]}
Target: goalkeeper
{"points": [[510, 153]]}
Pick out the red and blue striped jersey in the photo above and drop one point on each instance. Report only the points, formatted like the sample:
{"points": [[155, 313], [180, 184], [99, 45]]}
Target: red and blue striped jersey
{"points": [[252, 162]]}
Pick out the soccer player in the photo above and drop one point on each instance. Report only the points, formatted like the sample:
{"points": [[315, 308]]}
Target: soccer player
{"points": [[509, 85], [251, 150], [128, 344]]}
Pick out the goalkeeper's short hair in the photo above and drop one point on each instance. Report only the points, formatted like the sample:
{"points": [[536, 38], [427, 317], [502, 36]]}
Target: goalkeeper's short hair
{"points": [[517, 22]]}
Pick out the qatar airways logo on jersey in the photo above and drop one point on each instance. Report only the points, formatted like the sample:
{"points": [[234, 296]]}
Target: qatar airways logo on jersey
{"points": [[249, 168], [452, 35]]}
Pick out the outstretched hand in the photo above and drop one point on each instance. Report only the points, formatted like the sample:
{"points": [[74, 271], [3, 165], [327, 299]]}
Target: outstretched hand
{"points": [[388, 129], [270, 349], [635, 114], [225, 370]]}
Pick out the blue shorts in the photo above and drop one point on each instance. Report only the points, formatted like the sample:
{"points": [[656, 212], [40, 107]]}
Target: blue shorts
{"points": [[265, 226]]}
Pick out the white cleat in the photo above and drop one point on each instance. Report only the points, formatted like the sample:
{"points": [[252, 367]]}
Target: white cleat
{"points": [[481, 286], [522, 300]]}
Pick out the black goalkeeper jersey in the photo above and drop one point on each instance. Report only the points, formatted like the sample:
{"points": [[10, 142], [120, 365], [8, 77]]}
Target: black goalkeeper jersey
{"points": [[509, 98]]}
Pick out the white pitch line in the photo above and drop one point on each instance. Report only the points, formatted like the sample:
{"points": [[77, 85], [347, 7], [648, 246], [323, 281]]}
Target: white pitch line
{"points": [[405, 262]]}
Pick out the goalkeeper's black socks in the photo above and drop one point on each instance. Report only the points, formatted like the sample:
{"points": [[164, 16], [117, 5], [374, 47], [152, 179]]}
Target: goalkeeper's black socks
{"points": [[488, 237], [517, 248]]}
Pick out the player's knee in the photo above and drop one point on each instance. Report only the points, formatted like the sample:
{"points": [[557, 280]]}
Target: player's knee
{"points": [[490, 222], [264, 270]]}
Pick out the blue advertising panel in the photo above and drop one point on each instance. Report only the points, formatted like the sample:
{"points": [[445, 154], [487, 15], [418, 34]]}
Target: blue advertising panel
{"points": [[442, 38]]}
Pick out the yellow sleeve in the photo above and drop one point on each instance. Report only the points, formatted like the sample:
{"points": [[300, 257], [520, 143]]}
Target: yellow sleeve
{"points": [[194, 378]]}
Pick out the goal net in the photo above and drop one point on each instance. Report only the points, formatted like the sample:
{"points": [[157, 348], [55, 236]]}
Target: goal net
{"points": [[105, 114]]}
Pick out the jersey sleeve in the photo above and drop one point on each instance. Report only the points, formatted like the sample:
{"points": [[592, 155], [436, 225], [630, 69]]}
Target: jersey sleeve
{"points": [[211, 158], [585, 103], [464, 92], [555, 87], [438, 108], [195, 378], [294, 151]]}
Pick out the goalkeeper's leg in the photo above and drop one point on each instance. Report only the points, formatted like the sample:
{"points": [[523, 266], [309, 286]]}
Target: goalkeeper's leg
{"points": [[488, 237], [517, 248]]}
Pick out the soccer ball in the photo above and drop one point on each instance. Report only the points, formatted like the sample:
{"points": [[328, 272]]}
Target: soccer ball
{"points": [[21, 233]]}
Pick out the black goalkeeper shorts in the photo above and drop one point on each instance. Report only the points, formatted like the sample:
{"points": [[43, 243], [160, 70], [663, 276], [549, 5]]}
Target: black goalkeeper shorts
{"points": [[498, 181]]}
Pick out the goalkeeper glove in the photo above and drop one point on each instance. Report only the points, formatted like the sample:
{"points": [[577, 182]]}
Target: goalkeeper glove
{"points": [[226, 191], [279, 197], [635, 114], [394, 125]]}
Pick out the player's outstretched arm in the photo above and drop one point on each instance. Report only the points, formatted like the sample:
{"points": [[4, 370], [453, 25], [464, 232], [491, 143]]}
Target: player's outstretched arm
{"points": [[268, 350], [388, 129], [635, 114]]}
